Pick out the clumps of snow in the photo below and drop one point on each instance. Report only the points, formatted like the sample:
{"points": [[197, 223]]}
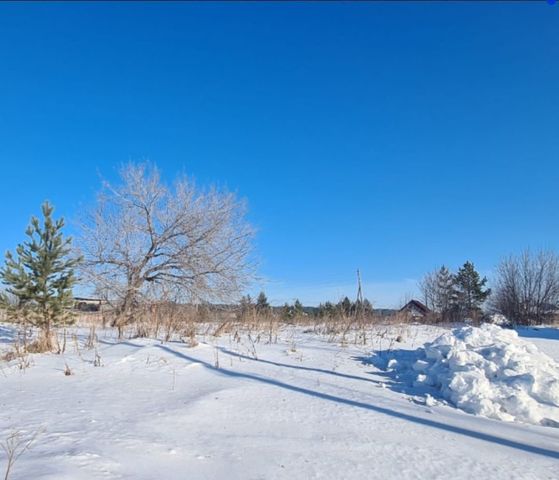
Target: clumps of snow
{"points": [[488, 371], [498, 319], [430, 401]]}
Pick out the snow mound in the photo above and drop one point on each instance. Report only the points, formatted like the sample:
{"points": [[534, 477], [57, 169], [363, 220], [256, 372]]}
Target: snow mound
{"points": [[488, 371]]}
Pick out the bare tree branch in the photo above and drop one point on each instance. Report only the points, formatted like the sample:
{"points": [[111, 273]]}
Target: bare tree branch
{"points": [[527, 287]]}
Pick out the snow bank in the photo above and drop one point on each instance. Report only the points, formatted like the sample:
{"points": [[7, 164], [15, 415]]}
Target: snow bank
{"points": [[488, 371]]}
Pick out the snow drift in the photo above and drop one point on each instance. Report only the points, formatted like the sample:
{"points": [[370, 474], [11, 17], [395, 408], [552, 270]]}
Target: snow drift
{"points": [[488, 371]]}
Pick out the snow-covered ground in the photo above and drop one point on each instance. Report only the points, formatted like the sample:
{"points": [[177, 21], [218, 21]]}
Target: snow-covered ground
{"points": [[304, 407]]}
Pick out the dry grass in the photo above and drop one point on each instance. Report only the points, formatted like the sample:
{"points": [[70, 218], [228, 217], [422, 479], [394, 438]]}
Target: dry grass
{"points": [[169, 322], [15, 445]]}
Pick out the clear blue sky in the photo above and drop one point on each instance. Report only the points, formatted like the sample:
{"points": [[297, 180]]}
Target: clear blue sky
{"points": [[389, 137]]}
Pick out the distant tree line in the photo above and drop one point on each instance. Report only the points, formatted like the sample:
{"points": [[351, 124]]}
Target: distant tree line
{"points": [[248, 307], [345, 308], [261, 307]]}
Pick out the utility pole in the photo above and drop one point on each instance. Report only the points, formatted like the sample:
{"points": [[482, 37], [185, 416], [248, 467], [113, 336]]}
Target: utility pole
{"points": [[359, 302]]}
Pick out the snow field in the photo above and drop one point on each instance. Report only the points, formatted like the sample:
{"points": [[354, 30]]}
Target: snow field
{"points": [[304, 408]]}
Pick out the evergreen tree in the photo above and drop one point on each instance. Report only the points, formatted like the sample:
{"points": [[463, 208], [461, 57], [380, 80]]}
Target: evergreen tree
{"points": [[367, 308], [470, 290], [41, 277], [262, 305], [445, 296], [326, 309], [329, 309], [298, 308], [362, 308], [247, 306], [345, 307], [287, 312]]}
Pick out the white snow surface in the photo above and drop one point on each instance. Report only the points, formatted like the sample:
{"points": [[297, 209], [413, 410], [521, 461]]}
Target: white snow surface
{"points": [[489, 371], [238, 407]]}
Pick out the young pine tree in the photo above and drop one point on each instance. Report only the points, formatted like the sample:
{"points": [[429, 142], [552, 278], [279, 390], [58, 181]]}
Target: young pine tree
{"points": [[40, 278], [445, 293], [262, 305], [470, 289], [287, 312], [298, 308]]}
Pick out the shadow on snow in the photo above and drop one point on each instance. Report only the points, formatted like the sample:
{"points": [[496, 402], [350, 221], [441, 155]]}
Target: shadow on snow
{"points": [[298, 367], [7, 334], [356, 404], [401, 382], [548, 333]]}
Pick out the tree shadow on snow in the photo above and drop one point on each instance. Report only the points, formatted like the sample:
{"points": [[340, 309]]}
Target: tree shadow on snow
{"points": [[548, 333], [361, 405], [298, 367], [7, 334]]}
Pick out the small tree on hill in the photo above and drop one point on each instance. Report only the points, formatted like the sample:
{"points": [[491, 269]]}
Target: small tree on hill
{"points": [[41, 276], [470, 291]]}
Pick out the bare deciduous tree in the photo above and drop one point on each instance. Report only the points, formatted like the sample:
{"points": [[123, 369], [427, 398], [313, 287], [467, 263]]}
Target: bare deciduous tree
{"points": [[527, 287], [145, 237], [429, 290], [438, 292]]}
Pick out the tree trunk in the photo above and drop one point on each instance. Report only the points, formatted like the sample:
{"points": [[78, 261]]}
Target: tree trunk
{"points": [[125, 314]]}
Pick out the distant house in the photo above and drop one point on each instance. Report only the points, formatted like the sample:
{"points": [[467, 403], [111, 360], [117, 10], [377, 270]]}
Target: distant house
{"points": [[415, 309], [88, 304]]}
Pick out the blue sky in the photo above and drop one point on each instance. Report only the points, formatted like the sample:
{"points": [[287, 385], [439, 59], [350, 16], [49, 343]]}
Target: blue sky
{"points": [[387, 137]]}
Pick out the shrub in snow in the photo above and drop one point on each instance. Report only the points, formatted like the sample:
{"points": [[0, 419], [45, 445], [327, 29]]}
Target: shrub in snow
{"points": [[488, 371]]}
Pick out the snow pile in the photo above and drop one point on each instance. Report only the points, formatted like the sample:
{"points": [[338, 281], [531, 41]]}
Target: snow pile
{"points": [[489, 371]]}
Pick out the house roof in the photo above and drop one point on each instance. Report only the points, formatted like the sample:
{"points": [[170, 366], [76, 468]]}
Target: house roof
{"points": [[417, 304], [84, 299]]}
